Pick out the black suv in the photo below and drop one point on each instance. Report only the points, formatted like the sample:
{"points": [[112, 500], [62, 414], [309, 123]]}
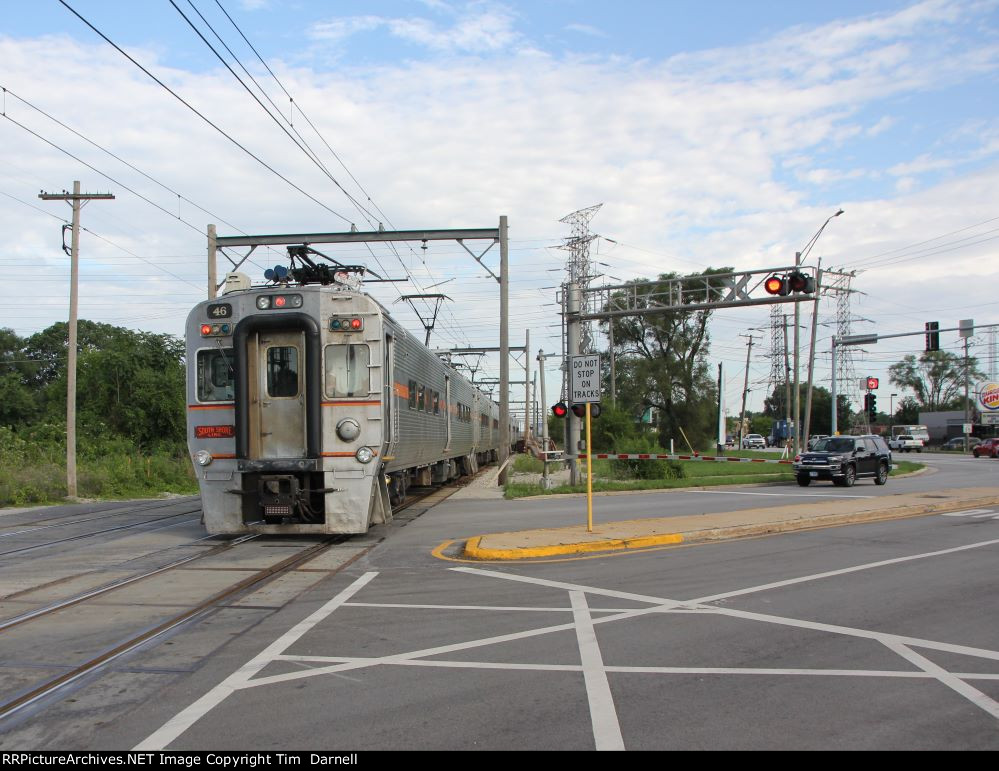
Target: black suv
{"points": [[844, 459]]}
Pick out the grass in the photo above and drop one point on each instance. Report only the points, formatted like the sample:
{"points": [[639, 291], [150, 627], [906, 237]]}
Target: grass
{"points": [[693, 474], [33, 471]]}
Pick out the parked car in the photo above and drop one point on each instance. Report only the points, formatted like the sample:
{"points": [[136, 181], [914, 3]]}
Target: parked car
{"points": [[754, 442], [814, 438], [844, 459], [906, 443], [988, 449], [957, 443]]}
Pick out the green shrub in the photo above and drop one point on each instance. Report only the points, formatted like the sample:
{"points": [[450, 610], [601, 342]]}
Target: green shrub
{"points": [[644, 469], [528, 464]]}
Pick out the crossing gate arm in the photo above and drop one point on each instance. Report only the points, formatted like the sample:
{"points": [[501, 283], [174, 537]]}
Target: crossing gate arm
{"points": [[653, 456]]}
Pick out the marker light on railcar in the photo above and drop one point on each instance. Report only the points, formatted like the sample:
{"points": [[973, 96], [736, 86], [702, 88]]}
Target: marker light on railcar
{"points": [[203, 457], [364, 454], [346, 325]]}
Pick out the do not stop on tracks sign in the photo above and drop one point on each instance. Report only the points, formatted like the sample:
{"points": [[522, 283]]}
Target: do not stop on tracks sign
{"points": [[584, 382]]}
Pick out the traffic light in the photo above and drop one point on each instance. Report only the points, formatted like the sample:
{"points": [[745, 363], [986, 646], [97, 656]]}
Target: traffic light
{"points": [[932, 336], [777, 285], [579, 410], [872, 407], [800, 282], [560, 410]]}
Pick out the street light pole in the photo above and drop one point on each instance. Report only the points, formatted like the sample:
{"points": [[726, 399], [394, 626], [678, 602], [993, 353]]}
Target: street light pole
{"points": [[799, 259]]}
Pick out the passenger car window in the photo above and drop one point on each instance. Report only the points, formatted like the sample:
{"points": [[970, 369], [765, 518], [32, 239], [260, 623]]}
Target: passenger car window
{"points": [[216, 375], [347, 370], [282, 371]]}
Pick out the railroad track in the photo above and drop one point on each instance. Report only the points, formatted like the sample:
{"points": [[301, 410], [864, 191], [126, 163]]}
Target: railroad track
{"points": [[43, 692], [54, 686]]}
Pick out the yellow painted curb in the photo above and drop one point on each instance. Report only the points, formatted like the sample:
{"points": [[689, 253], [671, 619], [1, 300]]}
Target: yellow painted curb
{"points": [[474, 551]]}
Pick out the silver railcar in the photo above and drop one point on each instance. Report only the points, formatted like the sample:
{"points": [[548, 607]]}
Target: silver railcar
{"points": [[310, 410]]}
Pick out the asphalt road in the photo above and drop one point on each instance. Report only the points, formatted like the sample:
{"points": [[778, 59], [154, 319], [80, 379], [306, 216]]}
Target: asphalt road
{"points": [[878, 636]]}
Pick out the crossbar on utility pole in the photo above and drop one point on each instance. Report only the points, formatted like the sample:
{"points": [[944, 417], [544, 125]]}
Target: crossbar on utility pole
{"points": [[76, 199]]}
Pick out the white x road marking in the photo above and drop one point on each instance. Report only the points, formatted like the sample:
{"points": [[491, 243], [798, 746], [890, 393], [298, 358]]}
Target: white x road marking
{"points": [[603, 713]]}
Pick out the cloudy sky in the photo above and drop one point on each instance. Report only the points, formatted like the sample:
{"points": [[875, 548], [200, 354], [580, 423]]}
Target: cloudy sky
{"points": [[713, 133]]}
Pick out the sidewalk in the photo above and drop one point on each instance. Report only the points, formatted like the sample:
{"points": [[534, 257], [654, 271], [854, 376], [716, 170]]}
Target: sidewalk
{"points": [[639, 533]]}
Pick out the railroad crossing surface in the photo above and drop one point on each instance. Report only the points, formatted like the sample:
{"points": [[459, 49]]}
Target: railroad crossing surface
{"points": [[876, 635]]}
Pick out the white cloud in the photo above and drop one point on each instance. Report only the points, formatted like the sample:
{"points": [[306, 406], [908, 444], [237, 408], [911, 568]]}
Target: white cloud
{"points": [[709, 157], [586, 29], [476, 28]]}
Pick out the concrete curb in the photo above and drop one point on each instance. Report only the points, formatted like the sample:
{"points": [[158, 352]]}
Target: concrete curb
{"points": [[474, 550]]}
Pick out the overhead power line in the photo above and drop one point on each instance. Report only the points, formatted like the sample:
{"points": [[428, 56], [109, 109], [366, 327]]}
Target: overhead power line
{"points": [[201, 115]]}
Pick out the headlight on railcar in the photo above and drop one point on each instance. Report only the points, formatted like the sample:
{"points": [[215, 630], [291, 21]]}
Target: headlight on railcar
{"points": [[364, 454], [348, 429], [203, 457]]}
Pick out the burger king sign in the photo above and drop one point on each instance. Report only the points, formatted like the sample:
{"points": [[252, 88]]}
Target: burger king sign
{"points": [[988, 396]]}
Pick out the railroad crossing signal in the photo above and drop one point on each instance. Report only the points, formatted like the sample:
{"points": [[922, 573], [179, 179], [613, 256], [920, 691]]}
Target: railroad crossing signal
{"points": [[560, 410], [795, 281], [579, 410]]}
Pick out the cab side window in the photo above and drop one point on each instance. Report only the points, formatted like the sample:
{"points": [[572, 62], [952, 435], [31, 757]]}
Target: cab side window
{"points": [[216, 375], [347, 371]]}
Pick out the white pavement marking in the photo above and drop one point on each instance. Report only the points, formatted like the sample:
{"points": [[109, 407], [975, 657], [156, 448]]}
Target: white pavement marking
{"points": [[624, 669], [174, 727], [840, 572], [882, 637], [490, 608], [967, 513], [670, 605], [603, 714], [890, 640], [779, 495], [570, 587], [973, 695]]}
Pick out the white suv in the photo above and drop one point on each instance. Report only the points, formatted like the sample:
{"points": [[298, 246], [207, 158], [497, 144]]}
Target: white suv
{"points": [[753, 442]]}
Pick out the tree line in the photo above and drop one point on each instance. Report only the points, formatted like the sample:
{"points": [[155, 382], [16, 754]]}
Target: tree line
{"points": [[130, 384]]}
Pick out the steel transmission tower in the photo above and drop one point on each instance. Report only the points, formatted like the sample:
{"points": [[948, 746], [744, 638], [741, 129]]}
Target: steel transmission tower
{"points": [[578, 266], [778, 369], [846, 373]]}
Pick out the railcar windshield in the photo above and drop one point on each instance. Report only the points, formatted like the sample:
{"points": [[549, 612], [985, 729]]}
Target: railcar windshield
{"points": [[216, 375], [834, 444], [347, 371], [282, 371]]}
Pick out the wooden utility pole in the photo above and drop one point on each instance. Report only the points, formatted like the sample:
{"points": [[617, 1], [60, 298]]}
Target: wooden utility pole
{"points": [[76, 199], [745, 391]]}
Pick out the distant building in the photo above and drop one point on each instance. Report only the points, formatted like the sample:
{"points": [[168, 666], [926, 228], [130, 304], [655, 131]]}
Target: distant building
{"points": [[946, 425]]}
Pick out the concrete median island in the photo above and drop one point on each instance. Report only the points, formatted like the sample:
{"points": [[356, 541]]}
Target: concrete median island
{"points": [[658, 531]]}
